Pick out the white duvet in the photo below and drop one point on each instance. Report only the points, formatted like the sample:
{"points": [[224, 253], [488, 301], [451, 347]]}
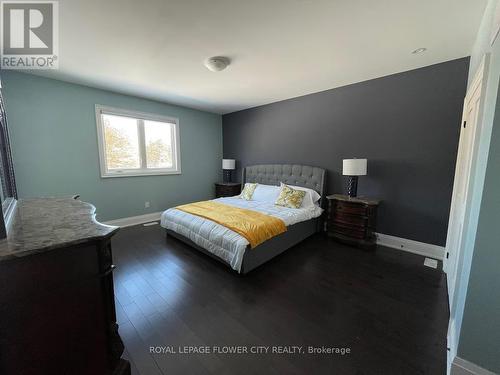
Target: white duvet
{"points": [[221, 241]]}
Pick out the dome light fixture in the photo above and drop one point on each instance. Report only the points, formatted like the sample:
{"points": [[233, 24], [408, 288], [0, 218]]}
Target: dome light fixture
{"points": [[419, 50], [217, 63]]}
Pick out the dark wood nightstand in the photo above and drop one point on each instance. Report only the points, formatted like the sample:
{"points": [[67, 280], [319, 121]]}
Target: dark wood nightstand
{"points": [[352, 220], [227, 189]]}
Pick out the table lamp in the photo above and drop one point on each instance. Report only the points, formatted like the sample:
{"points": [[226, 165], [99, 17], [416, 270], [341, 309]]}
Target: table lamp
{"points": [[353, 168], [228, 165]]}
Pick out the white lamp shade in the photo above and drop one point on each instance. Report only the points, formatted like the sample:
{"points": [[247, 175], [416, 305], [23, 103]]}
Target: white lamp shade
{"points": [[228, 164], [354, 167]]}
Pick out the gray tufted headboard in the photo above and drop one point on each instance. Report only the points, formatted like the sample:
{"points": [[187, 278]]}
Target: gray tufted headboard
{"points": [[292, 174]]}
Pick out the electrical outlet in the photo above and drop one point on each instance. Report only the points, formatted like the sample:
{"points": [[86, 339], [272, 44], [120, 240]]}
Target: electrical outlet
{"points": [[146, 204]]}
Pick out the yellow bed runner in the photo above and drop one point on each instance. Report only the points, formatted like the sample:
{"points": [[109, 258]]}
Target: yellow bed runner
{"points": [[254, 226]]}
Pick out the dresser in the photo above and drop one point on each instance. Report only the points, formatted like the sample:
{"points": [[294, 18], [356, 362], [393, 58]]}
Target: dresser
{"points": [[57, 310], [227, 189], [352, 220]]}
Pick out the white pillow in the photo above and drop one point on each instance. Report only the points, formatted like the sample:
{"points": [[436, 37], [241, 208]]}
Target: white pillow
{"points": [[311, 197], [266, 193]]}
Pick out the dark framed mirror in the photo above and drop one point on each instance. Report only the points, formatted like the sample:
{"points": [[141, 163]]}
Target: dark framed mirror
{"points": [[8, 190]]}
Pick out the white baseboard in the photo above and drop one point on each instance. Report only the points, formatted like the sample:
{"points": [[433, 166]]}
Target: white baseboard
{"points": [[461, 366], [134, 220], [415, 247]]}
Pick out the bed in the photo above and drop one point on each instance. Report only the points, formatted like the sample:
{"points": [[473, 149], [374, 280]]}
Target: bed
{"points": [[232, 249]]}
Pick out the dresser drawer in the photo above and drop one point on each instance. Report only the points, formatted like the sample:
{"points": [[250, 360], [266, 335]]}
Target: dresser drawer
{"points": [[349, 230], [351, 208], [105, 256], [344, 218], [352, 220]]}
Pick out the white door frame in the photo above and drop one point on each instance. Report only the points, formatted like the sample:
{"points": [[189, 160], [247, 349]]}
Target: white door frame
{"points": [[450, 261], [450, 265]]}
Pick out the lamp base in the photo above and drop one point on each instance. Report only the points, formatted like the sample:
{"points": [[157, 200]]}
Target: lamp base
{"points": [[352, 186], [227, 175]]}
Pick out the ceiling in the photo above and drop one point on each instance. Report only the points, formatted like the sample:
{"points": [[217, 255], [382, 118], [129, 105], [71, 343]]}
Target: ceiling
{"points": [[279, 48]]}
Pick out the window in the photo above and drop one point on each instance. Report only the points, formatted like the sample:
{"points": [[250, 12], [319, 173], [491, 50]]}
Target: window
{"points": [[8, 191], [137, 144]]}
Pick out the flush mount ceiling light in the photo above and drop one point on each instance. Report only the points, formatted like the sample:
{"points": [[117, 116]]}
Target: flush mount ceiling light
{"points": [[419, 50], [217, 63]]}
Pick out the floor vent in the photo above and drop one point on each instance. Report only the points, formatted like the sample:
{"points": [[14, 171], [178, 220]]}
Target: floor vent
{"points": [[428, 262]]}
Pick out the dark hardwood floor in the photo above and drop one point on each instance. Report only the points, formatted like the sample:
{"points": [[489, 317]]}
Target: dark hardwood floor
{"points": [[385, 306]]}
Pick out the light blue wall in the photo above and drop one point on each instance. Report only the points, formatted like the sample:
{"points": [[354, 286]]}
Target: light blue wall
{"points": [[475, 310], [54, 141], [480, 336]]}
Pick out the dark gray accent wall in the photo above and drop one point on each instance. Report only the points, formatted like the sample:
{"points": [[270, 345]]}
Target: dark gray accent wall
{"points": [[407, 125]]}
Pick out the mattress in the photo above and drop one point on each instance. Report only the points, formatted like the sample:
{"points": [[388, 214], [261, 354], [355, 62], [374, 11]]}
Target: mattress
{"points": [[223, 242]]}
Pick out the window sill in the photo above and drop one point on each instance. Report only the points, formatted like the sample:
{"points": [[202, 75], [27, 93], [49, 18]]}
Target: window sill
{"points": [[140, 174]]}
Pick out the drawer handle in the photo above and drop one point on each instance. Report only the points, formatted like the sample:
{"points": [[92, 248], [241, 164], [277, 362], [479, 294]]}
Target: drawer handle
{"points": [[108, 271]]}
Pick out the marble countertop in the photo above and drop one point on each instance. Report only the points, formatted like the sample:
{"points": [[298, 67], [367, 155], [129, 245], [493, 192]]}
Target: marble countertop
{"points": [[44, 224]]}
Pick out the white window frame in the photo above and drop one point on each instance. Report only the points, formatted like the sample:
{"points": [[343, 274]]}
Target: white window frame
{"points": [[141, 116]]}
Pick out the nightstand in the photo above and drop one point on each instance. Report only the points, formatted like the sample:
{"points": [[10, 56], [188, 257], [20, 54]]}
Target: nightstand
{"points": [[227, 189], [352, 220]]}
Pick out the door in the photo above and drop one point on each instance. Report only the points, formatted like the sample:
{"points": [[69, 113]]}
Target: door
{"points": [[466, 154]]}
